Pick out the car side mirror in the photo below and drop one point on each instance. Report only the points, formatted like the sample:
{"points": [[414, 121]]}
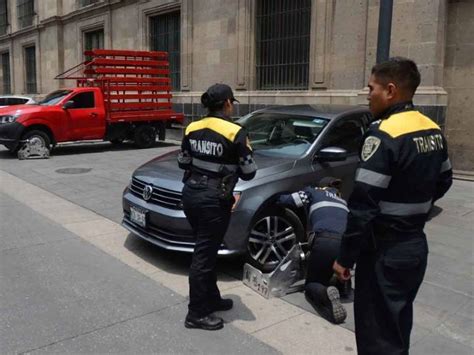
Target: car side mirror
{"points": [[331, 154], [69, 104]]}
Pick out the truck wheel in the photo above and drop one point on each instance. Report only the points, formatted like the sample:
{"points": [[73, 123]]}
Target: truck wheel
{"points": [[117, 141], [39, 145], [162, 132], [144, 136], [272, 235]]}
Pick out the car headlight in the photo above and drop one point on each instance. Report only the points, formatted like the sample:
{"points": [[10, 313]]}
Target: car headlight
{"points": [[8, 118], [237, 195]]}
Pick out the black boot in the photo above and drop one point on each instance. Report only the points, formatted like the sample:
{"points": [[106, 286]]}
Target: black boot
{"points": [[208, 322], [224, 304], [326, 302]]}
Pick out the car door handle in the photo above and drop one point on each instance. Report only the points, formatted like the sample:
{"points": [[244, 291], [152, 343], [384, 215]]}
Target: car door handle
{"points": [[93, 114]]}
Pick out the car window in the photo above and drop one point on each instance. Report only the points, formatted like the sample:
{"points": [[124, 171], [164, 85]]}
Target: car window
{"points": [[54, 97], [3, 102], [83, 100], [347, 134], [282, 134], [16, 101]]}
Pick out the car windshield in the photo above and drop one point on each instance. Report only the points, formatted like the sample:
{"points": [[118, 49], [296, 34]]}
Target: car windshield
{"points": [[54, 97], [277, 134]]}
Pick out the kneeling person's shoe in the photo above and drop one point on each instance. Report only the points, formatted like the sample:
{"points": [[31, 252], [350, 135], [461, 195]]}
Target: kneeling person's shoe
{"points": [[337, 312], [327, 303], [208, 322], [224, 304]]}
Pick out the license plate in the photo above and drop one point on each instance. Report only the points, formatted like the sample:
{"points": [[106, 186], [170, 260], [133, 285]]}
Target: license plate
{"points": [[255, 279], [138, 216]]}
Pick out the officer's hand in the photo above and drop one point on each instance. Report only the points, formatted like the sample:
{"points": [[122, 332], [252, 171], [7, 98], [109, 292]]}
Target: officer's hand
{"points": [[342, 273]]}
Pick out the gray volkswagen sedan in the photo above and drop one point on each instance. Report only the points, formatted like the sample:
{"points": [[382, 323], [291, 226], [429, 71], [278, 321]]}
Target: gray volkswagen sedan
{"points": [[294, 146]]}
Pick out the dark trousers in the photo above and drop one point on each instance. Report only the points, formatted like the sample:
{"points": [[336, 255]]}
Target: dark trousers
{"points": [[209, 218], [324, 252], [386, 283]]}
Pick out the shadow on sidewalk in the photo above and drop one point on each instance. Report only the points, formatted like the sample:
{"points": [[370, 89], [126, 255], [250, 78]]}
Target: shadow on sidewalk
{"points": [[239, 312]]}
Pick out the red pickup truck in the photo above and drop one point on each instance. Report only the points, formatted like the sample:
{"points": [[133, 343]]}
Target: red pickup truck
{"points": [[119, 95]]}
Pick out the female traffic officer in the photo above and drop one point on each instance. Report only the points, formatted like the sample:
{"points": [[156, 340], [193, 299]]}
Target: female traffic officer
{"points": [[214, 153]]}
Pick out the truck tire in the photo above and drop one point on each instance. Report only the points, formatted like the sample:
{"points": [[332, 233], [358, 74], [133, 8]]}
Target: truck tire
{"points": [[144, 136], [117, 141], [162, 131], [39, 139]]}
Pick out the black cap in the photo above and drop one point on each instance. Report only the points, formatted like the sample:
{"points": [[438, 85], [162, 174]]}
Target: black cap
{"points": [[217, 94], [330, 181]]}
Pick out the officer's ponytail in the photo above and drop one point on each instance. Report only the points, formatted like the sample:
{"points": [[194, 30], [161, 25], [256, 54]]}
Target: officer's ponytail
{"points": [[210, 103]]}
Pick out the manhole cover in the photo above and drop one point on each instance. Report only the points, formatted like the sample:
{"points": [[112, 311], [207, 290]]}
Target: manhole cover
{"points": [[73, 170]]}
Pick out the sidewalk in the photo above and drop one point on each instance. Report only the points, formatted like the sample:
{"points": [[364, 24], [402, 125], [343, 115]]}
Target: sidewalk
{"points": [[89, 206], [81, 300]]}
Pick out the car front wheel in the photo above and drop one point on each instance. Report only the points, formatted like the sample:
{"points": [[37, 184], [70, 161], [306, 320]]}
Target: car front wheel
{"points": [[273, 234]]}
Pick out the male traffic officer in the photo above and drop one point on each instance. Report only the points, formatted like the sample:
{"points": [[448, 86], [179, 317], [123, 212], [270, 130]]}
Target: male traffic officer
{"points": [[215, 152], [327, 213], [404, 169]]}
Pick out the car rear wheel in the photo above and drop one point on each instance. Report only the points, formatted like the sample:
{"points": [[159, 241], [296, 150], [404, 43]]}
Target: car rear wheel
{"points": [[272, 236]]}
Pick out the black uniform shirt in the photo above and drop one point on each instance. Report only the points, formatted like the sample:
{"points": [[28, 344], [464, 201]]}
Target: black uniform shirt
{"points": [[404, 168], [327, 211], [217, 147]]}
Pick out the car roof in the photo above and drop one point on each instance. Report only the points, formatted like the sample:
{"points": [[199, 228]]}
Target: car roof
{"points": [[15, 97], [324, 111]]}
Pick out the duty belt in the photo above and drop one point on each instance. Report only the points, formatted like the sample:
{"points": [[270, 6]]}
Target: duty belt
{"points": [[214, 167]]}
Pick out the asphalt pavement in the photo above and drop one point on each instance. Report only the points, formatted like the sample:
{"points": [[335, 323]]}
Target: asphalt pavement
{"points": [[73, 280]]}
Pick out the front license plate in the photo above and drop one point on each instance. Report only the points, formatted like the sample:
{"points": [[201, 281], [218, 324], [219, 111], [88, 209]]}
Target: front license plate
{"points": [[138, 216], [255, 279]]}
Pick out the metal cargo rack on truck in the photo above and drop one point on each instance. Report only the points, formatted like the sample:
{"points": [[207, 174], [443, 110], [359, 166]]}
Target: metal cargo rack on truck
{"points": [[137, 92]]}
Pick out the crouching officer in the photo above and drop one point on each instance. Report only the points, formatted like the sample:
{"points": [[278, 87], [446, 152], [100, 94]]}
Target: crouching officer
{"points": [[327, 214], [214, 153], [404, 168]]}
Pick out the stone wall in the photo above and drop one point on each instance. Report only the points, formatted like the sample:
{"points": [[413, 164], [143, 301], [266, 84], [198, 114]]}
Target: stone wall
{"points": [[459, 83], [218, 45]]}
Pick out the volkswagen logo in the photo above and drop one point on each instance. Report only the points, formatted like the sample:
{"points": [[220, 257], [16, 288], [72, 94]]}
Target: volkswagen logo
{"points": [[147, 191]]}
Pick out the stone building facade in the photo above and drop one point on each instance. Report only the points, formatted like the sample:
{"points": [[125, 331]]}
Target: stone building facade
{"points": [[324, 50]]}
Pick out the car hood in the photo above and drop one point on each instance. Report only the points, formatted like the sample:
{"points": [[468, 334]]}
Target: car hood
{"points": [[22, 109], [163, 171]]}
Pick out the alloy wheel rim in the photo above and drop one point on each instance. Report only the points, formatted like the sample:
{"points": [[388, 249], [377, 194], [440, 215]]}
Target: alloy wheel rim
{"points": [[37, 141], [270, 240]]}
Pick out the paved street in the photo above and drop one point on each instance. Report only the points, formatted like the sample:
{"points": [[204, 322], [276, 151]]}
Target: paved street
{"points": [[73, 280]]}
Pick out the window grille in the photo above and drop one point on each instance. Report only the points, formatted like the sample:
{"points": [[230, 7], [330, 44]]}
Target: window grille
{"points": [[282, 44], [165, 35], [94, 40], [3, 17], [26, 12], [6, 73], [83, 3], [30, 69]]}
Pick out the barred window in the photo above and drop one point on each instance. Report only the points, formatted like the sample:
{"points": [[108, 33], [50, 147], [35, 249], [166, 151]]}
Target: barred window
{"points": [[3, 17], [94, 40], [282, 44], [30, 69], [165, 35], [83, 3], [25, 11], [7, 89]]}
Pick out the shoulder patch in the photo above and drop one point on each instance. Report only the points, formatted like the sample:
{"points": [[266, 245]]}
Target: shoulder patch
{"points": [[371, 144]]}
